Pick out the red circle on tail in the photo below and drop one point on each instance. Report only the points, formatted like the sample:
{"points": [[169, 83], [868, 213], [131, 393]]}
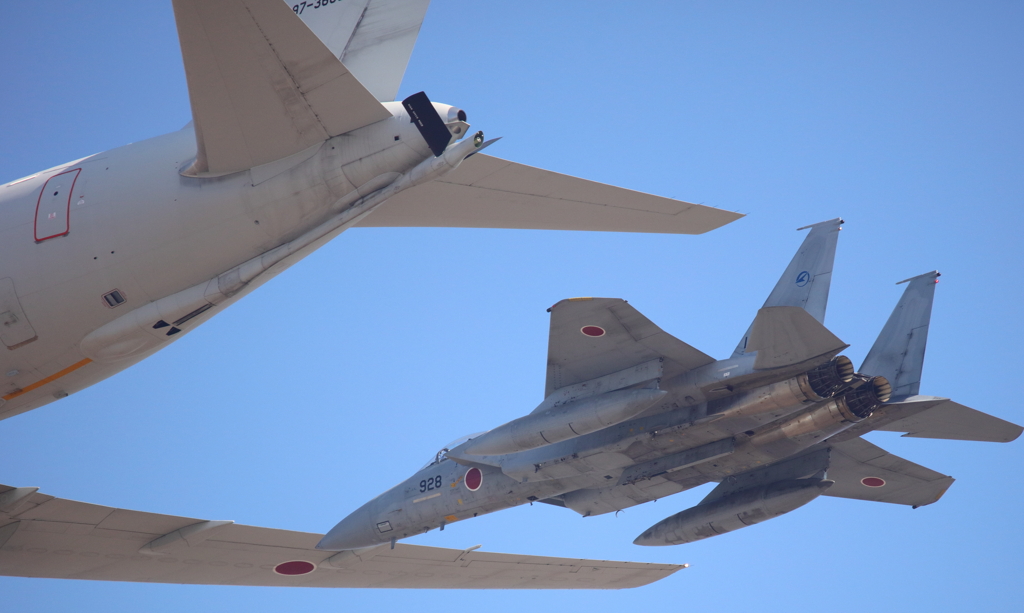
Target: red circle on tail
{"points": [[594, 331]]}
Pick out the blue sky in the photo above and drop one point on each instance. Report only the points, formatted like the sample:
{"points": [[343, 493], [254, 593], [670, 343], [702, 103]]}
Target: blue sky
{"points": [[340, 377]]}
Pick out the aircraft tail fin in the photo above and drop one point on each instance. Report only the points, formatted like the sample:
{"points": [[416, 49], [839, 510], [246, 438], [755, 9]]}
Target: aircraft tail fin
{"points": [[807, 279], [898, 352], [261, 85], [372, 38]]}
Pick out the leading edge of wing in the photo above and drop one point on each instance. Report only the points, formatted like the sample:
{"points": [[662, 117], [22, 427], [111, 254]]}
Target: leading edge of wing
{"points": [[44, 536], [489, 192]]}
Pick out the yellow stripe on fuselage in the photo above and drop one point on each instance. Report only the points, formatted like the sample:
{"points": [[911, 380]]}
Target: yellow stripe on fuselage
{"points": [[51, 378]]}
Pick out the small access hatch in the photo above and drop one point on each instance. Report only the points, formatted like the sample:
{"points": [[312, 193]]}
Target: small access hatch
{"points": [[53, 209]]}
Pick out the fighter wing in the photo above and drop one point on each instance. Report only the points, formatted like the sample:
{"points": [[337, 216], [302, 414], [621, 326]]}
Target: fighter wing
{"points": [[262, 85], [373, 38], [593, 337], [866, 472], [43, 536], [488, 192]]}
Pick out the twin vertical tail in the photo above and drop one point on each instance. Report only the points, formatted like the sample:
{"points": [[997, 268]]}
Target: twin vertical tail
{"points": [[898, 355], [898, 352], [806, 281]]}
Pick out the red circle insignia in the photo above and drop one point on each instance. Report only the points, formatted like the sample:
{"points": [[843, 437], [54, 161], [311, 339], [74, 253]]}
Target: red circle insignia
{"points": [[594, 331], [474, 479], [872, 482], [295, 567]]}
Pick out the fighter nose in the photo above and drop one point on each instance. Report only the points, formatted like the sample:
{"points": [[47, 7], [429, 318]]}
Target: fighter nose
{"points": [[353, 532]]}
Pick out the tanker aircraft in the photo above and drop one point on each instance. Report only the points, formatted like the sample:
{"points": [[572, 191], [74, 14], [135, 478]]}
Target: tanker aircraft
{"points": [[295, 137], [630, 415]]}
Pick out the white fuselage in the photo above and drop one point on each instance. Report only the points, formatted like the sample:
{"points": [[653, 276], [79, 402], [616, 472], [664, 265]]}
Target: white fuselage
{"points": [[168, 244]]}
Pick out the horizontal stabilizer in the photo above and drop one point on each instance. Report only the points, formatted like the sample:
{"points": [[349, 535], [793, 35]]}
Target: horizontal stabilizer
{"points": [[898, 352], [262, 85], [488, 192], [806, 281], [593, 337], [788, 335], [866, 472], [372, 38], [103, 543], [946, 420]]}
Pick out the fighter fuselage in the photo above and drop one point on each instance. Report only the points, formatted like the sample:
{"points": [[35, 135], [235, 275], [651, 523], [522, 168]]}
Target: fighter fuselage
{"points": [[739, 429]]}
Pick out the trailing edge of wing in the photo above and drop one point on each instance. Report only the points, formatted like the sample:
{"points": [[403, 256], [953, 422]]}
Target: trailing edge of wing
{"points": [[43, 536], [488, 192], [262, 85]]}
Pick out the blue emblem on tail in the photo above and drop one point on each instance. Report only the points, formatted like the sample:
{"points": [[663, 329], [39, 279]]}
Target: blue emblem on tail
{"points": [[803, 279]]}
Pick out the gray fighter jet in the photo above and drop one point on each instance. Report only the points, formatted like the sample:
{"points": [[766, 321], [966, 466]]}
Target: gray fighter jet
{"points": [[632, 414]]}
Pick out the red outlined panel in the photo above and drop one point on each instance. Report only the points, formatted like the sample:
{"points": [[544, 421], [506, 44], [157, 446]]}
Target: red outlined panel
{"points": [[53, 208]]}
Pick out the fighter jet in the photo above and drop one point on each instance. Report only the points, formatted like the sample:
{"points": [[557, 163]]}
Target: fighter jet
{"points": [[633, 414], [630, 415], [295, 137]]}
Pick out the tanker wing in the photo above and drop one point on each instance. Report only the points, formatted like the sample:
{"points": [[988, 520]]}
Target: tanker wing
{"points": [[121, 545], [867, 472], [593, 337]]}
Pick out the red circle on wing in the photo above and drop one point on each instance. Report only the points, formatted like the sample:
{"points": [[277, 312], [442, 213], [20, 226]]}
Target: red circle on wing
{"points": [[872, 481], [594, 331], [474, 479], [295, 567]]}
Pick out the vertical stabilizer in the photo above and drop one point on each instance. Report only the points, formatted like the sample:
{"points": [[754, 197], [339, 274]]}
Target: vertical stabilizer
{"points": [[373, 38], [806, 282], [898, 352]]}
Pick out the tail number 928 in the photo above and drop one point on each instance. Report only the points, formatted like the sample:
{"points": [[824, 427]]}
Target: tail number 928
{"points": [[430, 484]]}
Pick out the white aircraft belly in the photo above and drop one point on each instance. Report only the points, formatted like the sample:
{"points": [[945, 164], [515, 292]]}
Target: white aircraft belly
{"points": [[137, 226]]}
